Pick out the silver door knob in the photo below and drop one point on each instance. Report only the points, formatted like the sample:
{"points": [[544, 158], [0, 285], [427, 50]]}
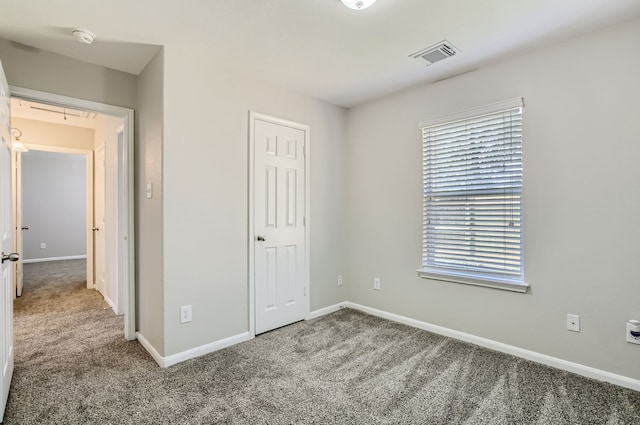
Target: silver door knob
{"points": [[261, 238], [11, 257]]}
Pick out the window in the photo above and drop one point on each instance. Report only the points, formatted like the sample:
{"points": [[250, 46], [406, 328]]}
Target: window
{"points": [[472, 210]]}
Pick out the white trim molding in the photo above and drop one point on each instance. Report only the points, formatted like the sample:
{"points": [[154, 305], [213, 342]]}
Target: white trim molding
{"points": [[194, 352], [578, 369], [324, 311], [44, 260], [150, 349]]}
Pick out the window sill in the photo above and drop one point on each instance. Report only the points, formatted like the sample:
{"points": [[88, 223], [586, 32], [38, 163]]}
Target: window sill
{"points": [[495, 284]]}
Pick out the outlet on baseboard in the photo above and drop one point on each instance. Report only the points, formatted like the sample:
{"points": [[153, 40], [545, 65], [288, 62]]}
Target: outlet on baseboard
{"points": [[43, 245], [185, 314], [376, 283], [340, 282]]}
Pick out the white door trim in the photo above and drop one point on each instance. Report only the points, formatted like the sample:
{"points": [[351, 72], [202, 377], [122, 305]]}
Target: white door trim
{"points": [[122, 265], [253, 116], [127, 115]]}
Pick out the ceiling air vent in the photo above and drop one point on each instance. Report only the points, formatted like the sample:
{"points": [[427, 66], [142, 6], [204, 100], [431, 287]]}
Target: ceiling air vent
{"points": [[436, 53]]}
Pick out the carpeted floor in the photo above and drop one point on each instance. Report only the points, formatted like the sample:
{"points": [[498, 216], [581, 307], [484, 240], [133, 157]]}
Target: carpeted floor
{"points": [[74, 367]]}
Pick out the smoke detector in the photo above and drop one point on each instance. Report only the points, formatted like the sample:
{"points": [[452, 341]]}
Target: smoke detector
{"points": [[83, 36], [436, 53]]}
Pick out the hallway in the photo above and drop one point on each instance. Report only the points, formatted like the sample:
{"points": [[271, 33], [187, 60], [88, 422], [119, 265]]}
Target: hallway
{"points": [[70, 350]]}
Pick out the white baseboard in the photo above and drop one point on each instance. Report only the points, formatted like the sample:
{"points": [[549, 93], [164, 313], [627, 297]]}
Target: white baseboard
{"points": [[43, 260], [111, 304], [324, 311], [194, 352], [150, 349], [544, 359]]}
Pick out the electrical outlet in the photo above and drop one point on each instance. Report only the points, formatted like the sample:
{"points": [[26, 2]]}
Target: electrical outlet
{"points": [[340, 280], [573, 322], [633, 331], [43, 245], [185, 314], [376, 283]]}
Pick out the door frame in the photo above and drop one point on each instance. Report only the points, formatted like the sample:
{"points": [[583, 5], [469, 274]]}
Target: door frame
{"points": [[92, 223], [88, 154], [122, 265], [127, 115], [253, 117]]}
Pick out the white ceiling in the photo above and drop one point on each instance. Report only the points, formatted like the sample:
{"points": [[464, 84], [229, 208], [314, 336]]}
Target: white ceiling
{"points": [[316, 47]]}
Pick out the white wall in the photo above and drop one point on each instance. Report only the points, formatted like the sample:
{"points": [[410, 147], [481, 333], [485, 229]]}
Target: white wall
{"points": [[581, 197], [54, 204], [205, 190]]}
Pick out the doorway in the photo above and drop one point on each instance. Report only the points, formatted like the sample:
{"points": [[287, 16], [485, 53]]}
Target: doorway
{"points": [[124, 241], [53, 202], [278, 222]]}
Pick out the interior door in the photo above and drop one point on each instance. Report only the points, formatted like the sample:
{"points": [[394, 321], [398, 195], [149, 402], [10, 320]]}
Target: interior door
{"points": [[6, 245], [99, 250], [280, 243]]}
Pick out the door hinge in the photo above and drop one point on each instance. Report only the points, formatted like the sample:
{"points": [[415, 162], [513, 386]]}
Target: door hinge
{"points": [[304, 220], [305, 291]]}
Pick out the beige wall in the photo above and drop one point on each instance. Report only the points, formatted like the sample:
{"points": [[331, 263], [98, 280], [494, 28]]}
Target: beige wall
{"points": [[37, 69], [206, 190], [149, 236], [581, 197], [49, 134]]}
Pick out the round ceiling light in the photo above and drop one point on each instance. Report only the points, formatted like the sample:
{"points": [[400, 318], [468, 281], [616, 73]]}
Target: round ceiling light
{"points": [[83, 36], [358, 4]]}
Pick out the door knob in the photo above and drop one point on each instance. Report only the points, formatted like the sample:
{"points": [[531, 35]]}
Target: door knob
{"points": [[25, 227], [95, 229], [261, 238], [11, 257]]}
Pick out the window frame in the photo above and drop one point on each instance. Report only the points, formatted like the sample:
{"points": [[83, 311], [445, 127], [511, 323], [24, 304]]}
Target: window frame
{"points": [[466, 277]]}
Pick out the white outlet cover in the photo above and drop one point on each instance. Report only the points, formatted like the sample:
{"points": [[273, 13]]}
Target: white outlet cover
{"points": [[573, 322], [185, 314]]}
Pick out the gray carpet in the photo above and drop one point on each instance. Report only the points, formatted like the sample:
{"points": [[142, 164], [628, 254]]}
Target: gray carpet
{"points": [[74, 367]]}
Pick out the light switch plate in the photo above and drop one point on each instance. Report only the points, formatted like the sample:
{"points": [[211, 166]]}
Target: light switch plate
{"points": [[149, 190]]}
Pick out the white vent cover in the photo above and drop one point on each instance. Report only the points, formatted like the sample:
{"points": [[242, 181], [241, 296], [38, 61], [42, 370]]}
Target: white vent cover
{"points": [[64, 111], [436, 53]]}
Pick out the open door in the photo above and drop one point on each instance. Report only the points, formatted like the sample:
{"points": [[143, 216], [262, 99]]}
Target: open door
{"points": [[7, 291]]}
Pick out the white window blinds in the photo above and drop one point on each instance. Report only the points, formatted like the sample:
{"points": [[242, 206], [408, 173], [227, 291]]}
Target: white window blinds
{"points": [[472, 176]]}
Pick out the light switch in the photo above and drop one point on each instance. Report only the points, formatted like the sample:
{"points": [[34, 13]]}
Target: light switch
{"points": [[149, 190]]}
